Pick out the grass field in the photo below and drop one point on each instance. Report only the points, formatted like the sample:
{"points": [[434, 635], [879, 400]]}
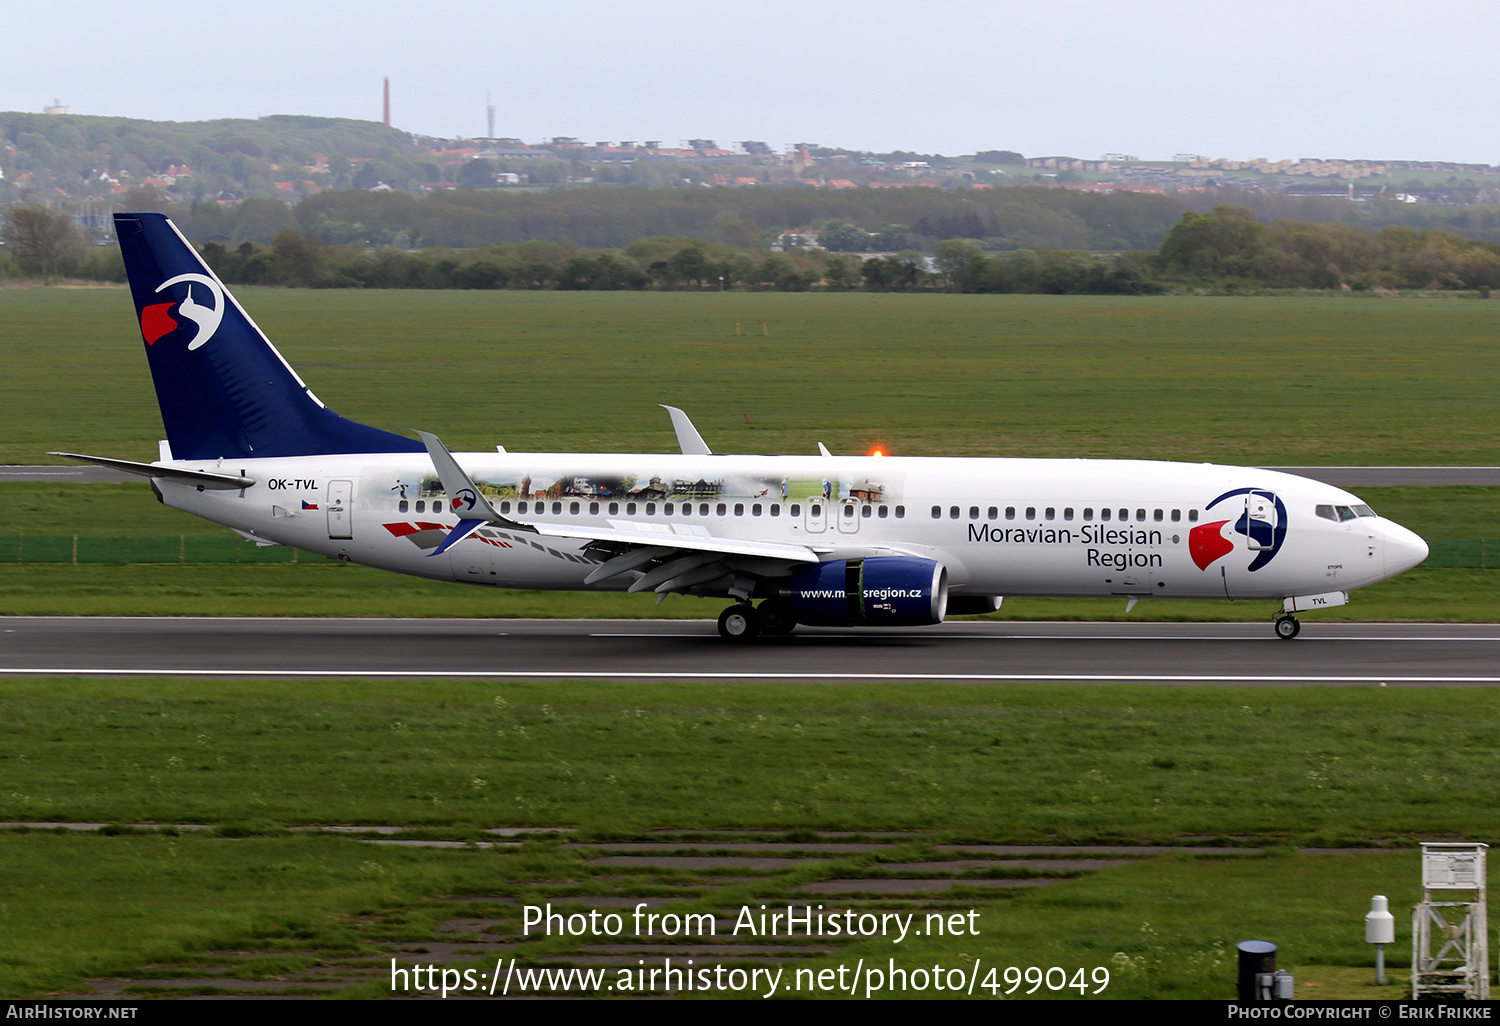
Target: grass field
{"points": [[1020, 763], [1029, 764], [1316, 380], [1281, 380]]}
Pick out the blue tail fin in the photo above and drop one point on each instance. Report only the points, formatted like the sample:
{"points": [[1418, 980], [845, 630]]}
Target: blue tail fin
{"points": [[223, 388]]}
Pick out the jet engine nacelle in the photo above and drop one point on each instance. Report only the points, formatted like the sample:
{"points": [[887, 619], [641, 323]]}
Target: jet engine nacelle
{"points": [[890, 591]]}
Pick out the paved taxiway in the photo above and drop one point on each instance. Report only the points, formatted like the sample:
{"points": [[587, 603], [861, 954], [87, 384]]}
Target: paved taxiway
{"points": [[993, 652]]}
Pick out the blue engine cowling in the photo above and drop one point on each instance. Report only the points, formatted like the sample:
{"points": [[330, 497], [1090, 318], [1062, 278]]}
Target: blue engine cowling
{"points": [[890, 591]]}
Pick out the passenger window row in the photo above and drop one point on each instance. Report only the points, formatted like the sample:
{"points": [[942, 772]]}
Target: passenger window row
{"points": [[1069, 513], [539, 507]]}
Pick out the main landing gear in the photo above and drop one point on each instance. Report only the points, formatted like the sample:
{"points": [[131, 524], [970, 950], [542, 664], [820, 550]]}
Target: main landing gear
{"points": [[739, 623], [1287, 626], [743, 622]]}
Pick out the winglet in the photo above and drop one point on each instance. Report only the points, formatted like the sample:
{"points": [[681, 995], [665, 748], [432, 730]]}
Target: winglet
{"points": [[464, 496], [823, 450], [688, 438]]}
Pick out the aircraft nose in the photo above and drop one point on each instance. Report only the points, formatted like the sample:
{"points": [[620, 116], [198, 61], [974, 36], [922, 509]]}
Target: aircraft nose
{"points": [[1403, 549]]}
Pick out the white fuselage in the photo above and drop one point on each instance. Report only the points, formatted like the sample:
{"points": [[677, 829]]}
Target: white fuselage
{"points": [[999, 526]]}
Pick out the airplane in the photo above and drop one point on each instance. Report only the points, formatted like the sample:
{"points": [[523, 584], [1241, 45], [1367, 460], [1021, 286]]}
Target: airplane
{"points": [[825, 540]]}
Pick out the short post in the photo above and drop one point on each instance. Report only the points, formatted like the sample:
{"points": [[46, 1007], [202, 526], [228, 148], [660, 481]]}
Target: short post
{"points": [[1380, 930], [1257, 958]]}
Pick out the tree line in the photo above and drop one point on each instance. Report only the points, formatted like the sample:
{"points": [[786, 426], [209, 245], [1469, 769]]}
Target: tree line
{"points": [[1228, 246], [853, 220], [1223, 250]]}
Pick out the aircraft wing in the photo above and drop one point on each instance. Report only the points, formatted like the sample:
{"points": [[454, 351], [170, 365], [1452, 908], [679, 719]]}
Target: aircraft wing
{"points": [[678, 557], [670, 557], [679, 537]]}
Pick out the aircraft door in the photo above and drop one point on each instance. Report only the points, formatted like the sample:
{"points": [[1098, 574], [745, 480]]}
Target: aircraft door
{"points": [[816, 517], [848, 513], [1260, 521], [340, 509]]}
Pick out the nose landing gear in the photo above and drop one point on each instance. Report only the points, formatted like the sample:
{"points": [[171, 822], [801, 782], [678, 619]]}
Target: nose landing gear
{"points": [[1287, 626]]}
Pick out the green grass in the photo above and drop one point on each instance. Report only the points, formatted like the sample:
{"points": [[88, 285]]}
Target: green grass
{"points": [[95, 906], [1264, 380], [1040, 764], [1290, 380], [1286, 380], [128, 509], [1167, 929], [1026, 763], [158, 906]]}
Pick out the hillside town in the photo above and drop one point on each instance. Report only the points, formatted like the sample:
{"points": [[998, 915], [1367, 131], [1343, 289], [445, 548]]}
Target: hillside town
{"points": [[69, 160]]}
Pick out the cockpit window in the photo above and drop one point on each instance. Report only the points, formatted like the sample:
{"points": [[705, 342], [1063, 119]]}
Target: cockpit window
{"points": [[1339, 514]]}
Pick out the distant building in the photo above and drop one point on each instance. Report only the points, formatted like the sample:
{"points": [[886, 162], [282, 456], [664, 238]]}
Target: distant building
{"points": [[797, 238], [1067, 164]]}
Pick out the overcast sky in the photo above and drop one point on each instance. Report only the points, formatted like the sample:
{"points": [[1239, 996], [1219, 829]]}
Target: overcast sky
{"points": [[1275, 78]]}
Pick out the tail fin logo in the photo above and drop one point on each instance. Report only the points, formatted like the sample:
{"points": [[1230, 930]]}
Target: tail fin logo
{"points": [[207, 318]]}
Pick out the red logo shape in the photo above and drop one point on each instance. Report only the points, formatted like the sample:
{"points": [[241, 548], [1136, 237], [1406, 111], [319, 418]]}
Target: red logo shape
{"points": [[1207, 543], [156, 322]]}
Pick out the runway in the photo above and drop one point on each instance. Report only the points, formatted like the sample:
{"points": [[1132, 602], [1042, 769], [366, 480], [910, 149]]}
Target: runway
{"points": [[968, 652], [72, 474]]}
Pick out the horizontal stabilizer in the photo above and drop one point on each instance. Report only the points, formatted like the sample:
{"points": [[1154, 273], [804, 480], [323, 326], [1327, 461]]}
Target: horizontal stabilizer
{"points": [[200, 477]]}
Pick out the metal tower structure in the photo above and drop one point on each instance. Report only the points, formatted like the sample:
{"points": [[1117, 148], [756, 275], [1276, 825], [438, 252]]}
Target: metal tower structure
{"points": [[1460, 965]]}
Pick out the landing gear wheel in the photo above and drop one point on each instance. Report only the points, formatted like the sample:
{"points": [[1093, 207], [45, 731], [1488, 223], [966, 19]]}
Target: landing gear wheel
{"points": [[739, 623], [1287, 627], [775, 618]]}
